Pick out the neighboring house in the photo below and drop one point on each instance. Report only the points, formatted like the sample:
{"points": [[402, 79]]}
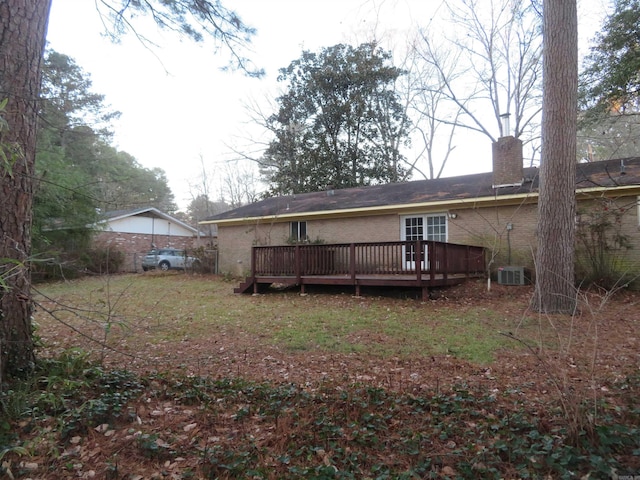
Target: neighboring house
{"points": [[134, 232], [497, 210]]}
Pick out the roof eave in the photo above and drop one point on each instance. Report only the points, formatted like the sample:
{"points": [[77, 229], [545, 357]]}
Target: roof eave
{"points": [[159, 213], [401, 209], [381, 209]]}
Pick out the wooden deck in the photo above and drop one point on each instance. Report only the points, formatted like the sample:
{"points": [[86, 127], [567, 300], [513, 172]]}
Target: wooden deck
{"points": [[380, 264]]}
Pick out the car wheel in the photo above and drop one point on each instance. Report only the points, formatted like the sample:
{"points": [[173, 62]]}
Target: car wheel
{"points": [[164, 265], [144, 269]]}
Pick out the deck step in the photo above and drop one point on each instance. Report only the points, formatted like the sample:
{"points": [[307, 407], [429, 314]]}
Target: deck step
{"points": [[245, 286]]}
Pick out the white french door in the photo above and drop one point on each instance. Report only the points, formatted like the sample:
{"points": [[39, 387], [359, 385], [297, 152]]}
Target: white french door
{"points": [[421, 227]]}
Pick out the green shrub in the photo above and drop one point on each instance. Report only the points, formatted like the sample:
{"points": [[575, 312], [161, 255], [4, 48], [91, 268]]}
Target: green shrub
{"points": [[602, 246]]}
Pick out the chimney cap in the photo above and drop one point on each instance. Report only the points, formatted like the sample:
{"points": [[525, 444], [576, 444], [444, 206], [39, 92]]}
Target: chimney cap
{"points": [[505, 124]]}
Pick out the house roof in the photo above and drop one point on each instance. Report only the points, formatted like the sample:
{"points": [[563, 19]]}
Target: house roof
{"points": [[151, 212], [437, 193]]}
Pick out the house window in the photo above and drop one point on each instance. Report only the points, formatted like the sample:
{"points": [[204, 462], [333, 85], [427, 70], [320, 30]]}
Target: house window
{"points": [[298, 232], [425, 227], [413, 228], [437, 228]]}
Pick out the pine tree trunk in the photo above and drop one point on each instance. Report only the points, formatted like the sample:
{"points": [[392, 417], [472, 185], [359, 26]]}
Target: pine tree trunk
{"points": [[23, 27], [555, 288]]}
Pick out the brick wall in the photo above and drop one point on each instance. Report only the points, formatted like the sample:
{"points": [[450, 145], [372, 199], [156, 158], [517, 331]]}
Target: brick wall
{"points": [[488, 227], [135, 245], [507, 161], [508, 232], [375, 228], [235, 242]]}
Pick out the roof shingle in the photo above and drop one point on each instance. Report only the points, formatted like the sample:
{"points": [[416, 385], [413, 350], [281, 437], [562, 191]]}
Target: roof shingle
{"points": [[609, 173]]}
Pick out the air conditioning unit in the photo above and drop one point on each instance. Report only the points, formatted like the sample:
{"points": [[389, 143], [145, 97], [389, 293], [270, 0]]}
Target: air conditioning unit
{"points": [[513, 276]]}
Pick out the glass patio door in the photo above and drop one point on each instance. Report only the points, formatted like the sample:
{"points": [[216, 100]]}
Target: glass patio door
{"points": [[413, 231], [422, 227]]}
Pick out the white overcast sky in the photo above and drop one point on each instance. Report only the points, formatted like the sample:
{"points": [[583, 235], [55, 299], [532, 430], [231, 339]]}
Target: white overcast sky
{"points": [[178, 107]]}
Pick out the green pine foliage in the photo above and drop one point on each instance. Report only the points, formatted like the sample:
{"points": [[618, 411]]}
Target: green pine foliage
{"points": [[611, 80], [78, 172]]}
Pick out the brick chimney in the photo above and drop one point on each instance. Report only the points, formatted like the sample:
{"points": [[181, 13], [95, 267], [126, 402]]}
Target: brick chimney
{"points": [[507, 162]]}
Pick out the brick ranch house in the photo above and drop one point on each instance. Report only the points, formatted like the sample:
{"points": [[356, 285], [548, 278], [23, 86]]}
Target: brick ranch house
{"points": [[497, 210], [133, 232]]}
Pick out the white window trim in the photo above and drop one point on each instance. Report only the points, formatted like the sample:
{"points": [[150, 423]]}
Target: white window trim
{"points": [[403, 236], [298, 237]]}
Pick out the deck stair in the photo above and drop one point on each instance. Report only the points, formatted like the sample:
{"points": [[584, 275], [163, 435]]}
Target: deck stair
{"points": [[245, 287]]}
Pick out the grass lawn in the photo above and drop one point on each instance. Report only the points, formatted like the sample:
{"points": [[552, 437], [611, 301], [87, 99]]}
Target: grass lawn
{"points": [[175, 307], [169, 375]]}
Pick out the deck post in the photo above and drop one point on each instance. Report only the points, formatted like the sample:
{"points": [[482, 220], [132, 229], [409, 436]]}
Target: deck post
{"points": [[425, 293], [253, 269], [418, 261], [432, 259], [253, 263], [445, 270], [467, 260], [352, 262], [297, 263]]}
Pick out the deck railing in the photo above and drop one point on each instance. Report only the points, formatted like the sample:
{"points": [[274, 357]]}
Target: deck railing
{"points": [[417, 258]]}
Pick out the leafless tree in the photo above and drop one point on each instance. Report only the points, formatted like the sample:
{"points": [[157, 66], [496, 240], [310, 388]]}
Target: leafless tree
{"points": [[200, 206], [433, 138], [240, 183], [491, 68]]}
